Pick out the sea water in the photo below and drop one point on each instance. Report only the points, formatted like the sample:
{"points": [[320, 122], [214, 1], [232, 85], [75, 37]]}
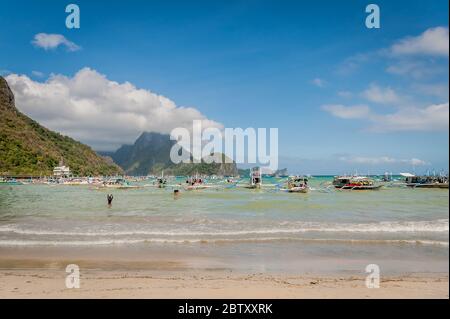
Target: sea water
{"points": [[255, 229]]}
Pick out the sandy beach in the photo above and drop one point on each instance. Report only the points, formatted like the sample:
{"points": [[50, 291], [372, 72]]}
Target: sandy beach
{"points": [[29, 276], [207, 284]]}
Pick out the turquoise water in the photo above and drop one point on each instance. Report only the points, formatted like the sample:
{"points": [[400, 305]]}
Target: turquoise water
{"points": [[42, 215]]}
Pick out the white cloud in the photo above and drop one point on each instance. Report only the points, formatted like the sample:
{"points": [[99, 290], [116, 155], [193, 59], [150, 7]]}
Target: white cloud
{"points": [[418, 70], [432, 42], [52, 41], [102, 113], [437, 89], [318, 82], [431, 118], [382, 160], [347, 112], [381, 95]]}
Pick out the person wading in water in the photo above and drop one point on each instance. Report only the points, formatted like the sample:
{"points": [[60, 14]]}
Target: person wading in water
{"points": [[109, 198]]}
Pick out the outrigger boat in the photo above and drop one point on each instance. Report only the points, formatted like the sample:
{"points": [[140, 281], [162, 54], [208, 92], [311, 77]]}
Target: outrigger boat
{"points": [[255, 178], [297, 184], [195, 183], [75, 182], [117, 183], [425, 181], [161, 181], [10, 181], [355, 183]]}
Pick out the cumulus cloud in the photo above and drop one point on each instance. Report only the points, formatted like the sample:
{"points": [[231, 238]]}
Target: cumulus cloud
{"points": [[382, 160], [432, 42], [100, 112], [347, 112], [52, 41]]}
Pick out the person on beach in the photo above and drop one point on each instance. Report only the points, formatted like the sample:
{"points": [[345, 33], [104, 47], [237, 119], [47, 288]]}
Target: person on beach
{"points": [[109, 198]]}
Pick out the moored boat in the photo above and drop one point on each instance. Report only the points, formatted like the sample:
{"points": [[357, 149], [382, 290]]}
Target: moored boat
{"points": [[414, 181], [117, 183], [255, 178], [10, 181], [355, 183], [161, 181], [195, 183], [297, 184]]}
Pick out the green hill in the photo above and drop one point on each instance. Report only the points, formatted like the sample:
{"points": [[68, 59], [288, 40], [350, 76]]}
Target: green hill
{"points": [[150, 154], [28, 148]]}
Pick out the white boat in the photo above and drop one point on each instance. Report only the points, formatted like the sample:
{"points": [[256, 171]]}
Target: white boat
{"points": [[297, 184], [255, 178]]}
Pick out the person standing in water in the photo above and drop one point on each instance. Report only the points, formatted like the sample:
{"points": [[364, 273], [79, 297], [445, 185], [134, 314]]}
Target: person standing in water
{"points": [[109, 198]]}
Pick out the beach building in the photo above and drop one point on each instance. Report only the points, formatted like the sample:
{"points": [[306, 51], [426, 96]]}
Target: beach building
{"points": [[61, 170]]}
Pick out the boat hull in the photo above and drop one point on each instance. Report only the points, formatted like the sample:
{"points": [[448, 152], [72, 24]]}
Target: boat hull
{"points": [[361, 188], [195, 187], [253, 186], [298, 190]]}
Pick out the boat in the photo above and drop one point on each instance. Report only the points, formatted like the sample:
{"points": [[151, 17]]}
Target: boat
{"points": [[161, 181], [255, 178], [297, 184], [10, 181], [117, 183], [414, 181], [75, 182], [195, 183], [355, 183], [387, 177]]}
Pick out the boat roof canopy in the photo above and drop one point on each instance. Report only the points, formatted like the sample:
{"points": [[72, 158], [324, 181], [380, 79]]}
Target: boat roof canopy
{"points": [[407, 175]]}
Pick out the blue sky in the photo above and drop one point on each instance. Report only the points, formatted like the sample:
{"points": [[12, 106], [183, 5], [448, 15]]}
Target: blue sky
{"points": [[344, 97]]}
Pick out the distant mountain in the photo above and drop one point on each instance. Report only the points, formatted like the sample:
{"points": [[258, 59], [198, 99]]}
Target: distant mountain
{"points": [[150, 154], [280, 173], [28, 148], [149, 150]]}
